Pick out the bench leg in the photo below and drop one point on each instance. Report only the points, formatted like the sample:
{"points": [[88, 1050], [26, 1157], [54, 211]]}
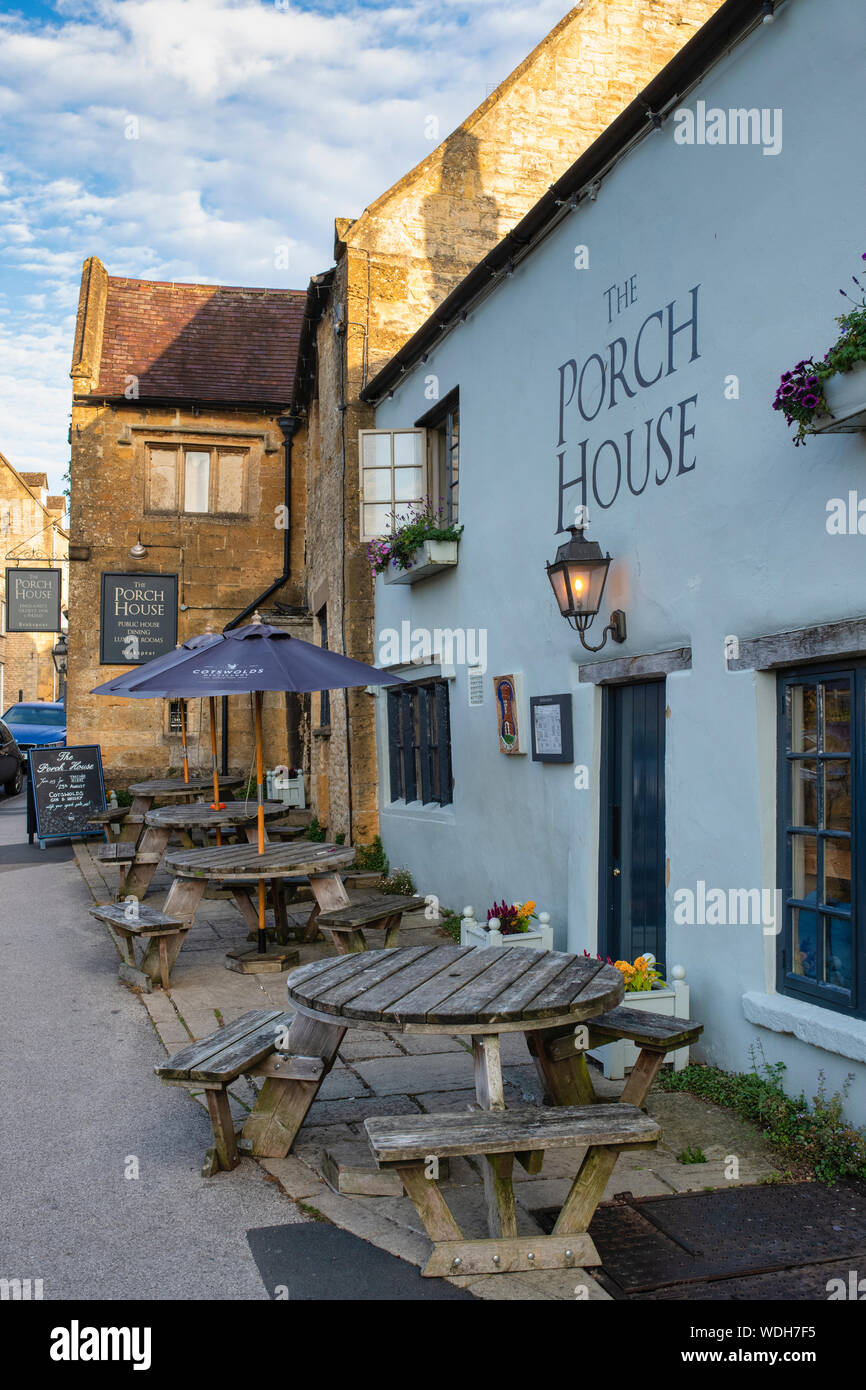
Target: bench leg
{"points": [[643, 1074], [567, 1080], [282, 1106], [138, 877], [160, 955], [347, 943], [131, 829], [220, 1113], [586, 1190], [429, 1203], [392, 929]]}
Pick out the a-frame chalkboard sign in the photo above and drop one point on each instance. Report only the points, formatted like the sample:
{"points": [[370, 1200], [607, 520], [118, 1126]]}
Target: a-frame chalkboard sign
{"points": [[64, 788]]}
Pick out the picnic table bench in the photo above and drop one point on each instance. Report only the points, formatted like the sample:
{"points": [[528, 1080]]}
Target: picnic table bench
{"points": [[406, 1143], [131, 922], [249, 1046], [345, 925]]}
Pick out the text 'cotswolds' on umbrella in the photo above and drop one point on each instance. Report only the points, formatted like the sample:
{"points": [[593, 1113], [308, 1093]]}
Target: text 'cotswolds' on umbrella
{"points": [[255, 657]]}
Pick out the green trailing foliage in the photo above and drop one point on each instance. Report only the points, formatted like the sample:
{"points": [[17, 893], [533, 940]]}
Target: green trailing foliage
{"points": [[814, 1139], [449, 922], [371, 858], [316, 831]]}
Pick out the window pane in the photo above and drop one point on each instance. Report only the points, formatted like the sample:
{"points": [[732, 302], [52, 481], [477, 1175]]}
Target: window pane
{"points": [[837, 717], [804, 928], [377, 451], [407, 450], [837, 873], [408, 484], [837, 794], [196, 481], [838, 953], [377, 484], [230, 483], [804, 793], [162, 480], [802, 702], [804, 862], [377, 520]]}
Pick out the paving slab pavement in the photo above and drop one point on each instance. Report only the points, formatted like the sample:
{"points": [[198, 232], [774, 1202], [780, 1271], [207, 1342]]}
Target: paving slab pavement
{"points": [[381, 1074], [83, 1112]]}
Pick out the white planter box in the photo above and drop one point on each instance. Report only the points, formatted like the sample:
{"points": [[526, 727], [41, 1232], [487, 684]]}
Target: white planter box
{"points": [[431, 558], [473, 934], [289, 790], [671, 1000], [845, 394]]}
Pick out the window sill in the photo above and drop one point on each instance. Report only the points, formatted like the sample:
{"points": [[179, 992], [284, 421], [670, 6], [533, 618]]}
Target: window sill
{"points": [[324, 731], [823, 1028], [420, 810]]}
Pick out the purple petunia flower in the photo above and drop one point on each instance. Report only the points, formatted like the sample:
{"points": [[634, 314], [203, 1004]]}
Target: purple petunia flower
{"points": [[810, 401], [786, 391]]}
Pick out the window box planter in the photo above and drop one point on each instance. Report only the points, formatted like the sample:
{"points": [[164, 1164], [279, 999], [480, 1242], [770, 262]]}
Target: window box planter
{"points": [[671, 1000], [430, 558], [473, 934], [845, 394]]}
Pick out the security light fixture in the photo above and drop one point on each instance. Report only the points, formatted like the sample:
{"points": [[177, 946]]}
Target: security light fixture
{"points": [[138, 551], [577, 577], [768, 8]]}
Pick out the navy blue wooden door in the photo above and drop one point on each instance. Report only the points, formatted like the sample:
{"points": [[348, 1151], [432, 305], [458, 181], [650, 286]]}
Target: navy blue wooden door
{"points": [[632, 840]]}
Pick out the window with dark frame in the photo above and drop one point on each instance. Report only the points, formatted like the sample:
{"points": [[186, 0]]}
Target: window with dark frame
{"points": [[419, 743], [324, 695], [822, 794], [446, 436]]}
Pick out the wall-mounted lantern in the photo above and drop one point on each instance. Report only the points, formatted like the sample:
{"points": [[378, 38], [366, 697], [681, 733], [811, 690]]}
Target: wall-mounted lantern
{"points": [[578, 576]]}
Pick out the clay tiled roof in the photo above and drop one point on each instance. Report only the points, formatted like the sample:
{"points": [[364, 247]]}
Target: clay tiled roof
{"points": [[200, 342]]}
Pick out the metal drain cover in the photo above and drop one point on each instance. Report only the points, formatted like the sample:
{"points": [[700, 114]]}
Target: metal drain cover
{"points": [[750, 1239]]}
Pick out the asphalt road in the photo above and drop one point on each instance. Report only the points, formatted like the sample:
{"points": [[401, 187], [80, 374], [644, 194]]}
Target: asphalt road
{"points": [[80, 1101]]}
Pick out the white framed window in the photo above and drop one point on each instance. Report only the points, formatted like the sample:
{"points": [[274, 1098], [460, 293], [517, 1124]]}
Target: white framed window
{"points": [[196, 480], [393, 465]]}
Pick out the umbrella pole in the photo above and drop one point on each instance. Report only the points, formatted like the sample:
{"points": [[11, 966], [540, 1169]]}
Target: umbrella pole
{"points": [[183, 740], [216, 804], [260, 815]]}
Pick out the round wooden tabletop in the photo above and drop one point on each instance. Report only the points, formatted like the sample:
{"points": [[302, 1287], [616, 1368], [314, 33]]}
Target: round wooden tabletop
{"points": [[455, 989], [292, 860], [176, 786], [201, 813]]}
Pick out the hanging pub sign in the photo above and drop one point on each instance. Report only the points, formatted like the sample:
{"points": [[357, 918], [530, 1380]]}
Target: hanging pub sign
{"points": [[64, 788], [33, 600], [138, 618]]}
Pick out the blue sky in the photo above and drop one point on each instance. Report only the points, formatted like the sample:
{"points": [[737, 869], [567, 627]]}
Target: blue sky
{"points": [[197, 139]]}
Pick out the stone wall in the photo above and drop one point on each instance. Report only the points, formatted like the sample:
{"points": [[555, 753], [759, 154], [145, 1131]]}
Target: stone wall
{"points": [[223, 563], [30, 532]]}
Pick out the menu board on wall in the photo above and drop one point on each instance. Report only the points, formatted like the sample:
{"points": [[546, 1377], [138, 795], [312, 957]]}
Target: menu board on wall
{"points": [[33, 600], [66, 788], [138, 618], [552, 735]]}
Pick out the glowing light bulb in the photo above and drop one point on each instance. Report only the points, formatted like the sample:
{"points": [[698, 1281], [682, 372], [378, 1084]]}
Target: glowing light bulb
{"points": [[577, 585]]}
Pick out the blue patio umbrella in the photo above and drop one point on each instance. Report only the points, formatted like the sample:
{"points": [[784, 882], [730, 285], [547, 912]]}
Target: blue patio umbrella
{"points": [[120, 685], [250, 659]]}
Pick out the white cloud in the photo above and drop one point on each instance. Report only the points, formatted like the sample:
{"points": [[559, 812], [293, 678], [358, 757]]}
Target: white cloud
{"points": [[256, 126]]}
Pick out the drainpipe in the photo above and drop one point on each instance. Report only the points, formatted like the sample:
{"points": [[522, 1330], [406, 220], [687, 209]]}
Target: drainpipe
{"points": [[289, 424]]}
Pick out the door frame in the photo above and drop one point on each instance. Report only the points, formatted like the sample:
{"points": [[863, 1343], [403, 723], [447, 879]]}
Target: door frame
{"points": [[604, 926]]}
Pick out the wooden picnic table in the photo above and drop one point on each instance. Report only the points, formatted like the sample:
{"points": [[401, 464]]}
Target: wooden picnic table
{"points": [[172, 789], [241, 867], [161, 822], [434, 990]]}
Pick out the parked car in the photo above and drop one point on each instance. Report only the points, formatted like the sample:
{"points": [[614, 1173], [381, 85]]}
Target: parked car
{"points": [[11, 762], [36, 724]]}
